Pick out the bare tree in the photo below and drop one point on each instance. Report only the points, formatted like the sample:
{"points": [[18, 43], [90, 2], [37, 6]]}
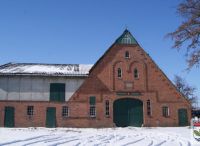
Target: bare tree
{"points": [[187, 34], [187, 90]]}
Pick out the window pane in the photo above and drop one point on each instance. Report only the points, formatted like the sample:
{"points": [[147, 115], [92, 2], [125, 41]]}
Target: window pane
{"points": [[65, 111], [165, 111], [107, 108], [30, 110], [119, 73], [127, 55], [148, 107], [92, 111], [135, 73]]}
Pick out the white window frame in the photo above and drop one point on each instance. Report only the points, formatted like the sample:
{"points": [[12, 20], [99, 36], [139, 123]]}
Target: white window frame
{"points": [[66, 113], [92, 111], [167, 115], [30, 110], [126, 40]]}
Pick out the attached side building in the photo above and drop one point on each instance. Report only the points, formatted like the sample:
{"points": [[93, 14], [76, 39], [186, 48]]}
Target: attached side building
{"points": [[123, 88]]}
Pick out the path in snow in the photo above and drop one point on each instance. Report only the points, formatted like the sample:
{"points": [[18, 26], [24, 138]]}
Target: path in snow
{"points": [[95, 137]]}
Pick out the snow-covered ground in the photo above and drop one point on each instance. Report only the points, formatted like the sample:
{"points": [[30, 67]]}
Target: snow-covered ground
{"points": [[169, 136]]}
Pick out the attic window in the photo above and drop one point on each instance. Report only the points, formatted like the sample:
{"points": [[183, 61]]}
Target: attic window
{"points": [[126, 39], [127, 54]]}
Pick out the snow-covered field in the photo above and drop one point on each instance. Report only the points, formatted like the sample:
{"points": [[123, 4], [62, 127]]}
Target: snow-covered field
{"points": [[176, 136]]}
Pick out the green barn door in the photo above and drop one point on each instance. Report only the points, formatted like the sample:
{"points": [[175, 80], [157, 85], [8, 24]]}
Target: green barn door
{"points": [[121, 118], [136, 113], [9, 116], [51, 117], [128, 112], [182, 117]]}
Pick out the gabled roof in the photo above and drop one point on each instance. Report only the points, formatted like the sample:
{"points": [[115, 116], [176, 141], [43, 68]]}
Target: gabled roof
{"points": [[37, 69], [126, 38]]}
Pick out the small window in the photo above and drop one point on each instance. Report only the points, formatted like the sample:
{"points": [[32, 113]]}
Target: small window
{"points": [[92, 111], [136, 76], [148, 108], [119, 72], [65, 111], [92, 103], [127, 55], [30, 110], [165, 111], [107, 108]]}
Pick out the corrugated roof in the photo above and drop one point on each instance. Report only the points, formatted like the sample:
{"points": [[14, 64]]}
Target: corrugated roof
{"points": [[45, 69]]}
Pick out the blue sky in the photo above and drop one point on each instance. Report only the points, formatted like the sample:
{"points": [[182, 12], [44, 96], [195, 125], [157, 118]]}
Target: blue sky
{"points": [[80, 31]]}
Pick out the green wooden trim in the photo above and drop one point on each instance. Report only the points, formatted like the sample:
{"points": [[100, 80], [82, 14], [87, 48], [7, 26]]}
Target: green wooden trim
{"points": [[51, 117], [126, 38], [57, 92], [128, 112], [128, 93], [92, 100]]}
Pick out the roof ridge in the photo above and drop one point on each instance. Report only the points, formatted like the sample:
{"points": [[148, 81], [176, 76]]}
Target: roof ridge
{"points": [[5, 65], [11, 63]]}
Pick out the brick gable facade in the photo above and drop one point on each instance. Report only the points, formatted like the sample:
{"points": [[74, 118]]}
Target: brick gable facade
{"points": [[103, 83], [152, 84]]}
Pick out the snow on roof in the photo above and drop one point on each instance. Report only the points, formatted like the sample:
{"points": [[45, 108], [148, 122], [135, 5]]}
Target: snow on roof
{"points": [[45, 69]]}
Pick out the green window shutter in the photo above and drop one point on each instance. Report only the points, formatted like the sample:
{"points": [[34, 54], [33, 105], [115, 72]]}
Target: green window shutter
{"points": [[92, 100], [62, 92], [57, 92], [52, 92]]}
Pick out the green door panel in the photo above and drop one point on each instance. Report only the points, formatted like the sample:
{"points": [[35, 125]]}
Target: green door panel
{"points": [[51, 117], [128, 112], [182, 117], [9, 118], [120, 114]]}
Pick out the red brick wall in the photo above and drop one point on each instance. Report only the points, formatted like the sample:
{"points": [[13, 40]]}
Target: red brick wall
{"points": [[103, 83], [152, 83]]}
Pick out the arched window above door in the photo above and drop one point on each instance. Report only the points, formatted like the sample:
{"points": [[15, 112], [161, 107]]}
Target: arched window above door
{"points": [[136, 74], [119, 72]]}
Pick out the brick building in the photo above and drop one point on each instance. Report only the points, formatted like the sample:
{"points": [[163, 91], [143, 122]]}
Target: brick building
{"points": [[123, 88]]}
